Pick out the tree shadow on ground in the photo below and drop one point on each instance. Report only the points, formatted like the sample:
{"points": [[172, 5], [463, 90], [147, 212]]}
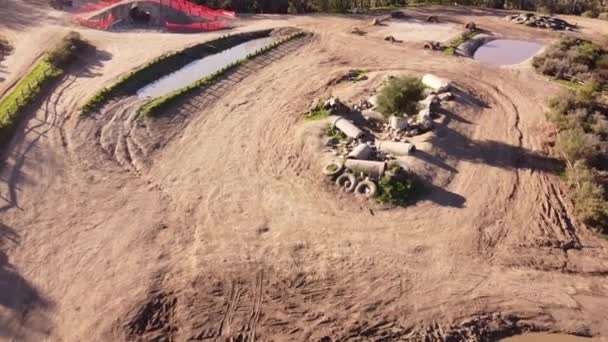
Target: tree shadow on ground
{"points": [[20, 301], [90, 61], [493, 153]]}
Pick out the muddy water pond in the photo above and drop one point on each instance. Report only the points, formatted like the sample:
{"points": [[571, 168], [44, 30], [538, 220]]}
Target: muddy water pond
{"points": [[506, 51], [542, 337], [201, 68]]}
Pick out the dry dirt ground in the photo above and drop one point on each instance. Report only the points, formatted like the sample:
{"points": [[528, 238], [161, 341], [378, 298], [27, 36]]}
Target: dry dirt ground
{"points": [[227, 231]]}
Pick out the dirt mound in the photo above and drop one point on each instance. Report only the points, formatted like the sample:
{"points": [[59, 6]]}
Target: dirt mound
{"points": [[228, 232]]}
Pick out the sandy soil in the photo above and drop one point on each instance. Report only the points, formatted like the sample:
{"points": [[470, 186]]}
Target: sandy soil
{"points": [[226, 230]]}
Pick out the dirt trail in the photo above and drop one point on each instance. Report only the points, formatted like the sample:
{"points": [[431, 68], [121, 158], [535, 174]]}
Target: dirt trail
{"points": [[227, 231]]}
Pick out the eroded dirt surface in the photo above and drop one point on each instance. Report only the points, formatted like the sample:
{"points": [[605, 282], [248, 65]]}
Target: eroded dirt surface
{"points": [[227, 231]]}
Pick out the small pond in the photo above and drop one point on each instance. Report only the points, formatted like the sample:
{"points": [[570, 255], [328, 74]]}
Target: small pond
{"points": [[201, 68], [506, 51]]}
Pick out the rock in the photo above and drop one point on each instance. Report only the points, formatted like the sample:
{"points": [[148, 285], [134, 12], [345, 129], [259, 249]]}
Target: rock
{"points": [[373, 101], [376, 22], [333, 141], [446, 96], [471, 26], [390, 39], [432, 19]]}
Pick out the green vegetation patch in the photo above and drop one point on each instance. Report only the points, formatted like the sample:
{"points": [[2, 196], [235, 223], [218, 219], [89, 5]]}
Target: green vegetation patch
{"points": [[451, 46], [29, 87], [158, 105], [581, 119], [164, 65], [318, 113], [398, 187], [335, 133], [400, 96], [574, 60]]}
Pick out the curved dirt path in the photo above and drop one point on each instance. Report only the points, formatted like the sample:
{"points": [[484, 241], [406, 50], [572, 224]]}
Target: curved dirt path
{"points": [[231, 233]]}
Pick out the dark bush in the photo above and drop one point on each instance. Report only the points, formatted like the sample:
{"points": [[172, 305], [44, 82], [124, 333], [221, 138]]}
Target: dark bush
{"points": [[400, 96]]}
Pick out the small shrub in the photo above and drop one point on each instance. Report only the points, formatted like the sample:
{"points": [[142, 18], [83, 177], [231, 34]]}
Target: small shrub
{"points": [[335, 133], [574, 145], [544, 10], [590, 14], [400, 96], [399, 189], [318, 113], [588, 196]]}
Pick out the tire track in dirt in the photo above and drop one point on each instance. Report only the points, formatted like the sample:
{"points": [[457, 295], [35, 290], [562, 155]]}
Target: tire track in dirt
{"points": [[37, 126]]}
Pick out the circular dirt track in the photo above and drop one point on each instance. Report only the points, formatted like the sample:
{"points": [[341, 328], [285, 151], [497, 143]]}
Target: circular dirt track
{"points": [[227, 229]]}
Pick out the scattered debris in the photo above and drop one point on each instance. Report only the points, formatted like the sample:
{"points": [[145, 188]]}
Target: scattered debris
{"points": [[358, 31], [353, 75], [433, 45], [541, 21], [392, 39]]}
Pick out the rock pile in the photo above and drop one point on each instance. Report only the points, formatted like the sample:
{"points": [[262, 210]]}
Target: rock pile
{"points": [[541, 21], [362, 155]]}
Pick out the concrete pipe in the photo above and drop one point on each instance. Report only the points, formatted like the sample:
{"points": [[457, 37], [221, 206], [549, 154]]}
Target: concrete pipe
{"points": [[346, 127], [333, 168], [374, 169], [361, 151], [435, 82], [397, 123], [347, 181], [395, 148], [373, 115], [367, 188]]}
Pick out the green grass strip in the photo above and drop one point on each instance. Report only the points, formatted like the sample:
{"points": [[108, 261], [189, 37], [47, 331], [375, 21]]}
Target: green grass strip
{"points": [[29, 87], [454, 43], [164, 65], [158, 105]]}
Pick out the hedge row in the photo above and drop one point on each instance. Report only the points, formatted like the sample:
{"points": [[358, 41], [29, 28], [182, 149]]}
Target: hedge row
{"points": [[164, 65], [159, 104], [30, 86]]}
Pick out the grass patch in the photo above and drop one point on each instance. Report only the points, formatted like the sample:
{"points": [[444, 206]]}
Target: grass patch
{"points": [[158, 105], [164, 65], [398, 187], [318, 113], [400, 96], [453, 44], [335, 133], [29, 87]]}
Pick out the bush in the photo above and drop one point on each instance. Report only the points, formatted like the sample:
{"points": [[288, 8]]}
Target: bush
{"points": [[574, 145], [590, 14], [399, 189], [588, 196], [400, 96], [574, 60]]}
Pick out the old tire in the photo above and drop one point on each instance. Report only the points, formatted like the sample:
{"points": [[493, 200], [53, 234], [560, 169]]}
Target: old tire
{"points": [[367, 188], [347, 181], [333, 168]]}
